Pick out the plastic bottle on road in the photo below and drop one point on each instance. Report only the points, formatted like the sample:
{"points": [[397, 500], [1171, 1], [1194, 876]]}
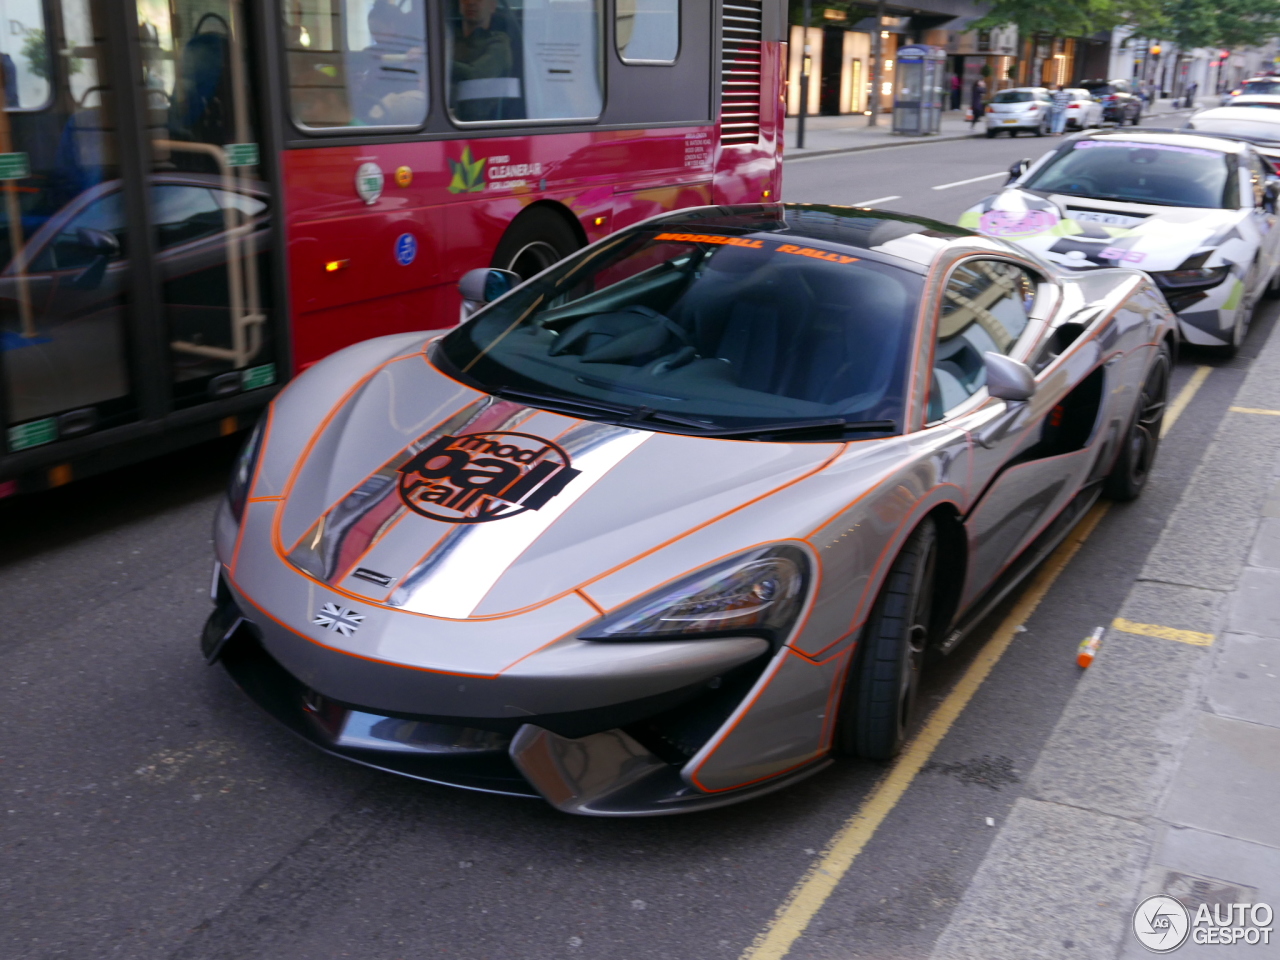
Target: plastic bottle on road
{"points": [[1088, 648]]}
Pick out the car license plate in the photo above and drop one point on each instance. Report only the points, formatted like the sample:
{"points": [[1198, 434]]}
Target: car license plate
{"points": [[1115, 219], [1011, 121]]}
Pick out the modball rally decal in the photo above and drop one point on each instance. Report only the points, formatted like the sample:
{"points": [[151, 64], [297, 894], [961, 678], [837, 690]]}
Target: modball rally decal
{"points": [[480, 477]]}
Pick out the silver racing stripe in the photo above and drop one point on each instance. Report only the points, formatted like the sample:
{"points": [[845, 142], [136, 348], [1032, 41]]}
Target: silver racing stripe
{"points": [[458, 574], [350, 528]]}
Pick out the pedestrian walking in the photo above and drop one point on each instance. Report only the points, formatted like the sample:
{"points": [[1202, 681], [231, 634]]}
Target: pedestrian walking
{"points": [[978, 100], [1191, 94], [1058, 112], [957, 91]]}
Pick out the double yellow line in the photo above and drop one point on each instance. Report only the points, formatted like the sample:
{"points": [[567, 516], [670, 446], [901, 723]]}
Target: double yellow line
{"points": [[808, 896]]}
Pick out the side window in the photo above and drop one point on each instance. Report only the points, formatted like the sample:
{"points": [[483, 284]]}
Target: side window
{"points": [[525, 60], [985, 307], [648, 31], [26, 58], [183, 214], [356, 63]]}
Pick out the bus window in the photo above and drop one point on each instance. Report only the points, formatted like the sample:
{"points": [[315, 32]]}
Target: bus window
{"points": [[208, 198], [648, 31], [356, 63], [525, 60]]}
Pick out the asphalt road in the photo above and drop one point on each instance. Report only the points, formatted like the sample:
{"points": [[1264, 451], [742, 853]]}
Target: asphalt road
{"points": [[148, 810]]}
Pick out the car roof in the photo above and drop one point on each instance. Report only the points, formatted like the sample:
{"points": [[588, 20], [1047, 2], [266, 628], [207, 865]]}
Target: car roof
{"points": [[1188, 138]]}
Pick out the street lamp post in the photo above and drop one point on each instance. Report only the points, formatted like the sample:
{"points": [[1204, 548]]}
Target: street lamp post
{"points": [[805, 62], [877, 66]]}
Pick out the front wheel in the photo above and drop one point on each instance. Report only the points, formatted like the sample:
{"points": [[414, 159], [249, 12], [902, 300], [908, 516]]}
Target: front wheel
{"points": [[876, 708], [1128, 477], [1272, 292], [991, 134]]}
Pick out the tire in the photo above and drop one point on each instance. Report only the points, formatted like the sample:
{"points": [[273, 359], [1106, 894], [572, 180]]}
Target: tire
{"points": [[880, 693], [991, 134], [535, 240], [1137, 118], [1041, 130], [1128, 477]]}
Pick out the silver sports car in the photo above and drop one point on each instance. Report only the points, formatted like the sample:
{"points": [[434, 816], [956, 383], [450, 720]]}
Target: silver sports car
{"points": [[680, 519]]}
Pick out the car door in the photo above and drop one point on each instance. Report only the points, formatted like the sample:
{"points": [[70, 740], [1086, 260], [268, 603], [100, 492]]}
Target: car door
{"points": [[1025, 470], [1254, 174]]}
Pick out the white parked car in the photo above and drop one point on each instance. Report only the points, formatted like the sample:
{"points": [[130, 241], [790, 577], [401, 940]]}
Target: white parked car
{"points": [[1083, 111], [1254, 119], [1252, 88], [1195, 211], [1022, 108]]}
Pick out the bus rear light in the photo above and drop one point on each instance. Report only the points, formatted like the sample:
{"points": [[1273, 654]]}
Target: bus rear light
{"points": [[333, 266]]}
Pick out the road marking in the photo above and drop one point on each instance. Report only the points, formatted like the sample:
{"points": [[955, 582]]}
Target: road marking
{"points": [[1265, 413], [1193, 637], [961, 183], [1183, 398], [872, 203], [808, 896]]}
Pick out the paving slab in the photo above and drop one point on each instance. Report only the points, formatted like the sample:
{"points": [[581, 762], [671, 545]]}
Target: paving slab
{"points": [[1266, 545], [1228, 781], [1115, 748], [1245, 683], [1054, 886], [1255, 606]]}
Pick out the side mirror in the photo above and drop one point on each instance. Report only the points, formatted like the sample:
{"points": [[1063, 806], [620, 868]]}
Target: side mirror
{"points": [[1018, 169], [1007, 379], [105, 247], [484, 285]]}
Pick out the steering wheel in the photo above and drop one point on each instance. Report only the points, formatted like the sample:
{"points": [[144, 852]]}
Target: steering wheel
{"points": [[634, 335]]}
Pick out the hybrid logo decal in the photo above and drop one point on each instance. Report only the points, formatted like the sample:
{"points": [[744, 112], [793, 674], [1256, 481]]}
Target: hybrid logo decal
{"points": [[480, 477]]}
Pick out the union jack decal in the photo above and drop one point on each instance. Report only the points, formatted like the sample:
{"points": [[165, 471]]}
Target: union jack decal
{"points": [[341, 620]]}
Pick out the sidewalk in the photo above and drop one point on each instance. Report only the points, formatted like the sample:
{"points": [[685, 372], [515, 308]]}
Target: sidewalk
{"points": [[849, 133], [1163, 774]]}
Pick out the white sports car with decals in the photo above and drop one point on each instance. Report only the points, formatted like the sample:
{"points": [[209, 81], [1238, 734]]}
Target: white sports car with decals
{"points": [[1196, 212], [679, 519]]}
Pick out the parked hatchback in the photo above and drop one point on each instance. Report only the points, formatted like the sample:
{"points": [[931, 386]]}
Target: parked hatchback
{"points": [[1120, 102], [1022, 108]]}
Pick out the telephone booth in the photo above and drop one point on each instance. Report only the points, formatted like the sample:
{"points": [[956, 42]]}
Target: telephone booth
{"points": [[918, 95]]}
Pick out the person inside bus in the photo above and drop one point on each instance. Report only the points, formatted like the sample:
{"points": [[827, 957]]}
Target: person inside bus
{"points": [[388, 77], [482, 61]]}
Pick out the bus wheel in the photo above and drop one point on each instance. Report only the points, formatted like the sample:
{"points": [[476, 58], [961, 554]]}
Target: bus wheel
{"points": [[535, 240]]}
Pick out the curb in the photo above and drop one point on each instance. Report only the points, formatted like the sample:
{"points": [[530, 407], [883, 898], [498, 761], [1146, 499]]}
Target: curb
{"points": [[915, 141]]}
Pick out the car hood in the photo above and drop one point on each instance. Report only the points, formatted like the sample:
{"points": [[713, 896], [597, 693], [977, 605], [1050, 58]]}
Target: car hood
{"points": [[1084, 233], [421, 494]]}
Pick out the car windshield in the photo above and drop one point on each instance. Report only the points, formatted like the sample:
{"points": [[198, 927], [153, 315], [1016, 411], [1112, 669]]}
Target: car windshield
{"points": [[1013, 96], [730, 331], [1099, 89], [1261, 86], [1234, 126], [1157, 173], [1265, 104]]}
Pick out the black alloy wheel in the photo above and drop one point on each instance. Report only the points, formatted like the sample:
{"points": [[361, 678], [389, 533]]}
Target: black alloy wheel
{"points": [[880, 692], [1132, 469]]}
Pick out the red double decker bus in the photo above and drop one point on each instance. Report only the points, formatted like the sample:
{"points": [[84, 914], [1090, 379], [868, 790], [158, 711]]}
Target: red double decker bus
{"points": [[201, 198]]}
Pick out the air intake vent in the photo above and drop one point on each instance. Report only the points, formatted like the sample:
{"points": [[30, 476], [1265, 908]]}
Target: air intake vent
{"points": [[740, 72]]}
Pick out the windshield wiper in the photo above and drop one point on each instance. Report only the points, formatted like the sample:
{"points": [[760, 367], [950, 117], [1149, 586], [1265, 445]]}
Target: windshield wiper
{"points": [[574, 406], [836, 425]]}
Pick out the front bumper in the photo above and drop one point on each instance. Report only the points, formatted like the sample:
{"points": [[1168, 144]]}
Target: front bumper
{"points": [[626, 761]]}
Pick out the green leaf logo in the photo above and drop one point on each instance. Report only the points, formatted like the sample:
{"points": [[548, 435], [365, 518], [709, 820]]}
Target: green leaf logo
{"points": [[468, 174]]}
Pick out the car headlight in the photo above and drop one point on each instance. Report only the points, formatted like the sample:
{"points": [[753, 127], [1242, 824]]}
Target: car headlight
{"points": [[242, 471], [1199, 277], [754, 594]]}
